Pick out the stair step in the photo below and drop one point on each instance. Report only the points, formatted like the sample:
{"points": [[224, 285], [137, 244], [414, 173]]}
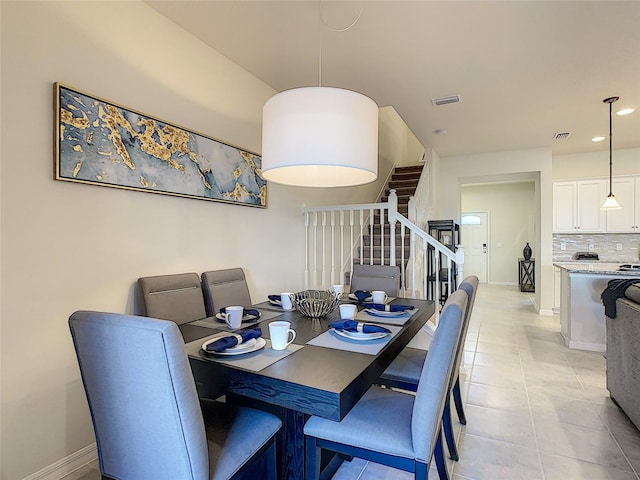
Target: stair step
{"points": [[409, 169], [402, 192], [405, 177], [401, 184]]}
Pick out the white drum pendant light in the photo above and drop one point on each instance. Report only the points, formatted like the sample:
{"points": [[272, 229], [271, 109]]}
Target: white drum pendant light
{"points": [[320, 137]]}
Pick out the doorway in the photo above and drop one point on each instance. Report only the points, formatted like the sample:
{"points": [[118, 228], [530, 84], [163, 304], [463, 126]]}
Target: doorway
{"points": [[475, 241]]}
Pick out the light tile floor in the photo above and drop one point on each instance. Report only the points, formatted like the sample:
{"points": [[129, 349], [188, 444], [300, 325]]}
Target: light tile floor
{"points": [[535, 409]]}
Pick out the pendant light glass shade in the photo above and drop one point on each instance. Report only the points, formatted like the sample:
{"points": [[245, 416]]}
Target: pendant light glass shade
{"points": [[610, 202], [320, 137]]}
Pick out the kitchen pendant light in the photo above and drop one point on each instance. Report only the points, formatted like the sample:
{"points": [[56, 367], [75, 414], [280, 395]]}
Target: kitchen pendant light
{"points": [[320, 136], [610, 202]]}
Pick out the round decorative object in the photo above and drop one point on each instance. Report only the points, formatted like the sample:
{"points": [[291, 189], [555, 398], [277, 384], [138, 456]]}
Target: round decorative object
{"points": [[315, 303], [526, 252]]}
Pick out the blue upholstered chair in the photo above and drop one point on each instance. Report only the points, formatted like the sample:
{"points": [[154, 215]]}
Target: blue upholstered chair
{"points": [[176, 297], [222, 288], [376, 277], [394, 428], [404, 372], [146, 416]]}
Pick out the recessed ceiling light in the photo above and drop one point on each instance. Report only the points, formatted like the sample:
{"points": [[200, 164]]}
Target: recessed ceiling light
{"points": [[625, 111], [597, 139]]}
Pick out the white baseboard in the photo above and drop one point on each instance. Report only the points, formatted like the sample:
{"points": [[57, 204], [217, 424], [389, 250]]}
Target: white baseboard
{"points": [[66, 465], [546, 312]]}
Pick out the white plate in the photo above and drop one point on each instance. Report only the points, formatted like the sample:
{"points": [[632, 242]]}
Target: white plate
{"points": [[351, 296], [245, 318], [246, 347], [360, 336], [380, 313]]}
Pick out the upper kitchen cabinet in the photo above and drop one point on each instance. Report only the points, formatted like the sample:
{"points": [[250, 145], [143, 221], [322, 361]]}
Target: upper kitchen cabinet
{"points": [[576, 206], [627, 219]]}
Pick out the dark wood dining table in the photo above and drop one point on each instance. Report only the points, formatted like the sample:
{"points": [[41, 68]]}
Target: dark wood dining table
{"points": [[305, 380]]}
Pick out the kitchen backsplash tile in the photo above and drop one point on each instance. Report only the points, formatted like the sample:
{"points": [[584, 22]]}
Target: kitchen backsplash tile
{"points": [[604, 244]]}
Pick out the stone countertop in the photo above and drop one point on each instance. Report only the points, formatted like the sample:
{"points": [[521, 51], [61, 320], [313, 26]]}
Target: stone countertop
{"points": [[603, 268]]}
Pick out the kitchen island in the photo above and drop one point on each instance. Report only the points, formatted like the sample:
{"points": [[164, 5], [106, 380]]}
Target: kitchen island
{"points": [[582, 318]]}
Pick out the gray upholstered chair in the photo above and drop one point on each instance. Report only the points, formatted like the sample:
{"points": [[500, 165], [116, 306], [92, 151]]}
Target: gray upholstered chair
{"points": [[223, 288], [146, 416], [176, 297], [376, 277], [394, 428], [404, 372]]}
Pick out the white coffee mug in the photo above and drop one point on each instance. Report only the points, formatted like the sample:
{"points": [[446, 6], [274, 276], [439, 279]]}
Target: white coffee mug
{"points": [[379, 296], [285, 300], [348, 311], [279, 333], [337, 290], [233, 316]]}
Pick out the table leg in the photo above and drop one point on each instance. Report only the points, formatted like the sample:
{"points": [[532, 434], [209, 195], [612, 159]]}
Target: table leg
{"points": [[289, 441]]}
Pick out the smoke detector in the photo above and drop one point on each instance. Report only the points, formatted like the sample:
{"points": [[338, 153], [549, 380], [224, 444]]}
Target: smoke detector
{"points": [[445, 100], [561, 135]]}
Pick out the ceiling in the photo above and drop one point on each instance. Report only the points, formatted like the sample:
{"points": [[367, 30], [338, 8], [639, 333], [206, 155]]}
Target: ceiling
{"points": [[524, 70]]}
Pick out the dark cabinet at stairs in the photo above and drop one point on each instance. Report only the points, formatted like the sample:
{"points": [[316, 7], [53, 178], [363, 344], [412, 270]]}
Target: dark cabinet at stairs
{"points": [[446, 232]]}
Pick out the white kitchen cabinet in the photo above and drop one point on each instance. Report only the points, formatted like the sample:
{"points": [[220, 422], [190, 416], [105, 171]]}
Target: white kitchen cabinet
{"points": [[576, 206], [626, 220]]}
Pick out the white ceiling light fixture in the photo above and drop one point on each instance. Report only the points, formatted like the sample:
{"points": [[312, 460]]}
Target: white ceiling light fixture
{"points": [[611, 203], [599, 138], [320, 136], [625, 111]]}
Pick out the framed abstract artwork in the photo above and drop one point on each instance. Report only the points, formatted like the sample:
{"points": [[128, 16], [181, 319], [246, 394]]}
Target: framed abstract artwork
{"points": [[101, 143]]}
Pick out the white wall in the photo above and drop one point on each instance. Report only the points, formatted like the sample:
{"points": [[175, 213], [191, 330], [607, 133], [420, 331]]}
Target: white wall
{"points": [[535, 165], [69, 246], [512, 213], [596, 164]]}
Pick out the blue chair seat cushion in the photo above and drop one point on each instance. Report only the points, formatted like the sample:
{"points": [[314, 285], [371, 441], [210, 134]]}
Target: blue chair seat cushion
{"points": [[380, 421], [407, 366], [234, 434]]}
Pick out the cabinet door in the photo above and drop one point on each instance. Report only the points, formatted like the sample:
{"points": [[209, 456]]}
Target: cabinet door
{"points": [[591, 194], [626, 192], [564, 207]]}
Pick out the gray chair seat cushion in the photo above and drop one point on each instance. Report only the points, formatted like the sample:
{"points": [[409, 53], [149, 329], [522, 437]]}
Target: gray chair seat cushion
{"points": [[407, 366], [234, 435], [364, 427]]}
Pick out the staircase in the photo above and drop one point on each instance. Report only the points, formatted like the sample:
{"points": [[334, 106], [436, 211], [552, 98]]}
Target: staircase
{"points": [[404, 181]]}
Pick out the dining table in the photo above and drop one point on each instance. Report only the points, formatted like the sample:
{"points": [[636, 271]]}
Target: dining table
{"points": [[321, 373]]}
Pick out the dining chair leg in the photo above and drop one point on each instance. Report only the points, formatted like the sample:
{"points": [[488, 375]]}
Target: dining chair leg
{"points": [[438, 453], [448, 430], [270, 460], [457, 399], [312, 459]]}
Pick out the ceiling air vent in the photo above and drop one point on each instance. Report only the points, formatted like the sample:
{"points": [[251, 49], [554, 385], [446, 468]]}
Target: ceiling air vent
{"points": [[445, 100], [561, 135]]}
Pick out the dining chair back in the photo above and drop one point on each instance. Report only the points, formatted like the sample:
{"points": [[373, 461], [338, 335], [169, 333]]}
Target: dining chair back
{"points": [[433, 386], [394, 428], [146, 416], [376, 277], [222, 288], [176, 297], [406, 369]]}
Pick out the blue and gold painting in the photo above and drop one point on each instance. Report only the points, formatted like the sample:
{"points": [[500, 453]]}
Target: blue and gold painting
{"points": [[101, 143]]}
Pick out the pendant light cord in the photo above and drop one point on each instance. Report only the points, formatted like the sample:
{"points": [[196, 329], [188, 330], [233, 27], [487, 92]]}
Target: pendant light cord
{"points": [[610, 149], [610, 101]]}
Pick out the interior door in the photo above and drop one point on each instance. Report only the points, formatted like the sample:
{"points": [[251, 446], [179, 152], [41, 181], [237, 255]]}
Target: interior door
{"points": [[475, 240]]}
